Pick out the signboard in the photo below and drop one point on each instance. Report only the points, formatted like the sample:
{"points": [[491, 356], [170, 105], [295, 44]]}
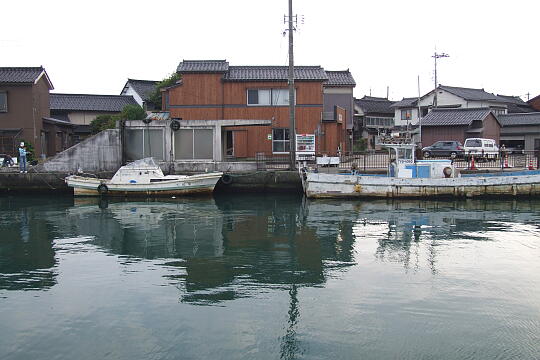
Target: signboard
{"points": [[305, 146], [269, 136]]}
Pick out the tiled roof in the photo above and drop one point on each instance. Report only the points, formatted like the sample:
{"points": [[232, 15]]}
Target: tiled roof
{"points": [[512, 99], [23, 75], [143, 87], [80, 102], [339, 78], [198, 66], [274, 73], [470, 94], [19, 74], [370, 104], [450, 117], [520, 119], [405, 102]]}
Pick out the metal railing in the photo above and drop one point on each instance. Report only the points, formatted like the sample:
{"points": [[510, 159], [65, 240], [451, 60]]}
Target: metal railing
{"points": [[380, 160]]}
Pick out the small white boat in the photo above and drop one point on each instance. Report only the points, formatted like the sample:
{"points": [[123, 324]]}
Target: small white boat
{"points": [[410, 178], [143, 178]]}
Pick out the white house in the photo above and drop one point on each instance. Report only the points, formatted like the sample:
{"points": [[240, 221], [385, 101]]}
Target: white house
{"points": [[141, 91], [406, 110]]}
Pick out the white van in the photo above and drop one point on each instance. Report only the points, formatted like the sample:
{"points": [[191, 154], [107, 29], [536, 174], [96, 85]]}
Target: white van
{"points": [[481, 148]]}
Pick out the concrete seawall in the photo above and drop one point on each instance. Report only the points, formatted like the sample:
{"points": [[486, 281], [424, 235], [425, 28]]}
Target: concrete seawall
{"points": [[52, 182]]}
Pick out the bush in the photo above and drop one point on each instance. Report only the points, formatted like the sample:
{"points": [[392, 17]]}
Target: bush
{"points": [[103, 122], [155, 97]]}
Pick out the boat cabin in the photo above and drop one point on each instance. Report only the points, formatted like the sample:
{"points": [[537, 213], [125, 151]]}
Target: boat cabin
{"points": [[404, 165]]}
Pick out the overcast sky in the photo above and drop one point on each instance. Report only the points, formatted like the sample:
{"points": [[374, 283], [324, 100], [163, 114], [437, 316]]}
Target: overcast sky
{"points": [[94, 46]]}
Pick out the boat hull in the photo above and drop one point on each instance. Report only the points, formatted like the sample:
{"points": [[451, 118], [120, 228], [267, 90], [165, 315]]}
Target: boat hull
{"points": [[192, 185], [317, 185]]}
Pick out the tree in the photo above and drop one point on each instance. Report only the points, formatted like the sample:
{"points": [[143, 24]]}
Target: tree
{"points": [[155, 97], [133, 112], [103, 122]]}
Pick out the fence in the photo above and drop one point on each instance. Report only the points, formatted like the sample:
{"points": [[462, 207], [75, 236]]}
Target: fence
{"points": [[380, 160]]}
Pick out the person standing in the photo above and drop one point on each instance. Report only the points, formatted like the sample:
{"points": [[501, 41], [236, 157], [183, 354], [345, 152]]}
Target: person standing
{"points": [[22, 158]]}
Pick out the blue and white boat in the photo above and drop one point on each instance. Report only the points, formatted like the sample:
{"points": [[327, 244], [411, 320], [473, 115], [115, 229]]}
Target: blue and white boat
{"points": [[143, 178], [410, 178]]}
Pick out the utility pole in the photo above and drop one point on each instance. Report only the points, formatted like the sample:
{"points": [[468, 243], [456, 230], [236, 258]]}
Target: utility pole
{"points": [[437, 56], [292, 122]]}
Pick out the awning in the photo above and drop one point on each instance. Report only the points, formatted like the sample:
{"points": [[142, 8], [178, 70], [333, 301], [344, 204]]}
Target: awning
{"points": [[512, 137], [475, 130]]}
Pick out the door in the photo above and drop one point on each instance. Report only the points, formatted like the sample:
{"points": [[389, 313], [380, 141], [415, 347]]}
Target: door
{"points": [[240, 143]]}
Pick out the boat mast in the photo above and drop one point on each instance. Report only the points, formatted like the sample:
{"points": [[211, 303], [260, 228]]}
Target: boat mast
{"points": [[292, 125]]}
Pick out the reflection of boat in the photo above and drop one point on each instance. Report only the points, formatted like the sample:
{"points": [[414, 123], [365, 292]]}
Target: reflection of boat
{"points": [[408, 177], [143, 177]]}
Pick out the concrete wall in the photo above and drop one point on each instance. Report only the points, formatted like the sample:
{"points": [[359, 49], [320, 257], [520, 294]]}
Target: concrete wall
{"points": [[101, 152]]}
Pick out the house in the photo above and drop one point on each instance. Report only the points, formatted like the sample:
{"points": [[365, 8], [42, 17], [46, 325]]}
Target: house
{"points": [[25, 114], [241, 98], [516, 105], [372, 115], [141, 91], [535, 103], [444, 96], [521, 130], [459, 124], [81, 109]]}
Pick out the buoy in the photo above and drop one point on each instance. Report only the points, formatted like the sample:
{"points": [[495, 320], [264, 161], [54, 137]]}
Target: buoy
{"points": [[473, 166], [531, 167]]}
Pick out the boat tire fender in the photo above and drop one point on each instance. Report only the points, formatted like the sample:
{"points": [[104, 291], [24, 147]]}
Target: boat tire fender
{"points": [[102, 189], [227, 179], [447, 171]]}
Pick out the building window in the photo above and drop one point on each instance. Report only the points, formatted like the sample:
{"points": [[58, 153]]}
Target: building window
{"points": [[406, 114], [280, 140], [373, 121], [141, 143], [268, 97], [3, 101], [194, 144]]}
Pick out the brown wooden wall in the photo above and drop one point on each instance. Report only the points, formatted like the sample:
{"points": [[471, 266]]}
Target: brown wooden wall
{"points": [[431, 134], [492, 128], [207, 97], [535, 103]]}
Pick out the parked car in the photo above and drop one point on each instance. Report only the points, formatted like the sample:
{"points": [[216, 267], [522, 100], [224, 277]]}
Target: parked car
{"points": [[443, 148], [485, 149]]}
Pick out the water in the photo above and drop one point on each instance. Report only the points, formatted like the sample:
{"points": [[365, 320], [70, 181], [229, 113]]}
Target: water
{"points": [[268, 277]]}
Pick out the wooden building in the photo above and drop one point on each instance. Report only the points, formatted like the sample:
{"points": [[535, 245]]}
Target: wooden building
{"points": [[25, 113], [459, 124], [212, 90]]}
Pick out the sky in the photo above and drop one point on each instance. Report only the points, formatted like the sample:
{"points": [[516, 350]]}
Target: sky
{"points": [[93, 47]]}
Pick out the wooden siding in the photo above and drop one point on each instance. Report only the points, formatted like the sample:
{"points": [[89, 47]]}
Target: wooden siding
{"points": [[431, 134], [492, 128], [207, 97]]}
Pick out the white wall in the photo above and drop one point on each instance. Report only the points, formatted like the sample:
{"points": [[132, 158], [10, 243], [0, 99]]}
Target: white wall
{"points": [[133, 93]]}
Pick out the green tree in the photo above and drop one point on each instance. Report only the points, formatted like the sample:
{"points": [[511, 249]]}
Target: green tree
{"points": [[133, 112], [103, 122], [155, 97]]}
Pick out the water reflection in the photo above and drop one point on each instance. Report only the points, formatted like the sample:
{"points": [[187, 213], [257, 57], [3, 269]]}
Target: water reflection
{"points": [[27, 256]]}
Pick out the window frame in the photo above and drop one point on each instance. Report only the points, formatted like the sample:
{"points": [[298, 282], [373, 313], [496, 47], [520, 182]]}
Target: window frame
{"points": [[286, 142], [5, 108], [406, 111], [272, 96]]}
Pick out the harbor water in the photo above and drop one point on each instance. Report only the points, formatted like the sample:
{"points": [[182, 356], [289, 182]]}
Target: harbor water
{"points": [[269, 277]]}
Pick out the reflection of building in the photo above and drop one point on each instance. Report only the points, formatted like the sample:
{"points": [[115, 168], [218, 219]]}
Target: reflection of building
{"points": [[27, 257]]}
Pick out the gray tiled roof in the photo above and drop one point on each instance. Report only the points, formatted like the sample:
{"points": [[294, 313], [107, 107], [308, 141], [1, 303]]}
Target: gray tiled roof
{"points": [[370, 104], [197, 66], [274, 73], [471, 94], [520, 119], [143, 87], [20, 75], [405, 102], [81, 102], [450, 117], [339, 78], [512, 99]]}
